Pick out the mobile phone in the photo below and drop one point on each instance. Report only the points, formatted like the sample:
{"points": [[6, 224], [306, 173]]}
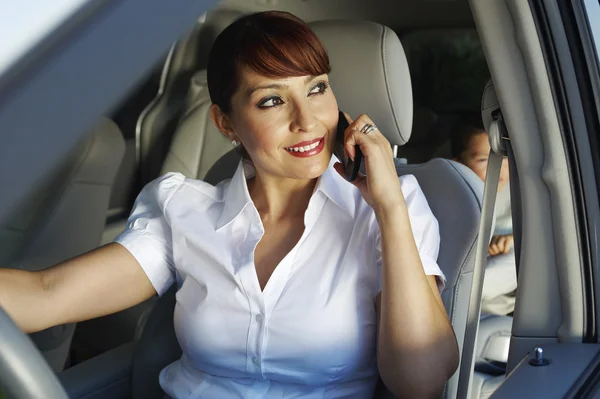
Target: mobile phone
{"points": [[351, 167]]}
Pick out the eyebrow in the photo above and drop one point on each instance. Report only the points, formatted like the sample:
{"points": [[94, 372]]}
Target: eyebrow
{"points": [[252, 89]]}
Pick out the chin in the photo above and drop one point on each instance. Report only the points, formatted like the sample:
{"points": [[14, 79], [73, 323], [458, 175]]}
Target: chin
{"points": [[314, 168]]}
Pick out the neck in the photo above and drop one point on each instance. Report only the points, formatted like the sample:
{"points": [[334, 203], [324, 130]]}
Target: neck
{"points": [[280, 198]]}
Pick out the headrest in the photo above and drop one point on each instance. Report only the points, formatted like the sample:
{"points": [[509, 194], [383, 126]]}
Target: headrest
{"points": [[199, 43], [489, 105], [220, 18], [369, 74]]}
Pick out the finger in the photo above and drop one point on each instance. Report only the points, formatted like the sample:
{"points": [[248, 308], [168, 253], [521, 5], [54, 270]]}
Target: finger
{"points": [[354, 138], [375, 135], [348, 118], [350, 127], [360, 181], [501, 244], [339, 167], [360, 122], [494, 248], [511, 241]]}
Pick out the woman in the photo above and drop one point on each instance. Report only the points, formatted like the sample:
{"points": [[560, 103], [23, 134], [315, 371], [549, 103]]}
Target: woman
{"points": [[292, 281]]}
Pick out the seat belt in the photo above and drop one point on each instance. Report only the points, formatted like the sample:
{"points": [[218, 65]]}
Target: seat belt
{"points": [[497, 135]]}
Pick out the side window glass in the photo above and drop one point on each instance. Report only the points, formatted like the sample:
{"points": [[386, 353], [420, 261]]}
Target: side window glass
{"points": [[448, 69]]}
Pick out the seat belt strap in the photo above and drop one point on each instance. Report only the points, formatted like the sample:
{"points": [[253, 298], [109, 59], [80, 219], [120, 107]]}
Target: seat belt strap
{"points": [[481, 252]]}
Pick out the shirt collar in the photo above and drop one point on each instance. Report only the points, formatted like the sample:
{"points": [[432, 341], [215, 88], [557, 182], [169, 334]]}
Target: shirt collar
{"points": [[337, 189], [331, 184], [237, 196]]}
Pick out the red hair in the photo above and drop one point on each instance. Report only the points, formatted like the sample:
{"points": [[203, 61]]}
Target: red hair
{"points": [[274, 44]]}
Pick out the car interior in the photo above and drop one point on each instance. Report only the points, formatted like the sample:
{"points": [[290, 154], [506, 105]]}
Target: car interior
{"points": [[415, 67]]}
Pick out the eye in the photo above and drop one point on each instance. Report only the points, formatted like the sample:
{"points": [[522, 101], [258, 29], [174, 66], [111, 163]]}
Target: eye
{"points": [[319, 88], [270, 102]]}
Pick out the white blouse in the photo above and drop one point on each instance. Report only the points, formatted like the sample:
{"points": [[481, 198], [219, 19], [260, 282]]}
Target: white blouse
{"points": [[312, 332]]}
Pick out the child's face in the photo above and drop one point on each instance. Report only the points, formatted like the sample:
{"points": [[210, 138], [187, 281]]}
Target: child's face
{"points": [[476, 157]]}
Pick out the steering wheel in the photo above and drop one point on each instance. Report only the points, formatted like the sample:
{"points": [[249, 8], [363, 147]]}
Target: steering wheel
{"points": [[24, 374]]}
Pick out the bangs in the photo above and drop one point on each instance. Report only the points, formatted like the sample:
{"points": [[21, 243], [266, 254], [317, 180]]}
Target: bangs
{"points": [[274, 44], [284, 50]]}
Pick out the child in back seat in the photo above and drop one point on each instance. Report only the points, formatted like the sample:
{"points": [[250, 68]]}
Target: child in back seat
{"points": [[470, 146]]}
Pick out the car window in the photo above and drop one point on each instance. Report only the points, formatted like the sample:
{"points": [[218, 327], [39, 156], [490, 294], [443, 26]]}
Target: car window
{"points": [[448, 69], [27, 22]]}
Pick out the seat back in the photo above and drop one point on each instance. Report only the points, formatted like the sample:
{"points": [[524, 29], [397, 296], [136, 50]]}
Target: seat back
{"points": [[64, 217], [454, 193], [451, 189], [197, 143], [157, 123]]}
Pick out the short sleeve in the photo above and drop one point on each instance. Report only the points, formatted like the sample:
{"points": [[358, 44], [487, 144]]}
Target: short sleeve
{"points": [[425, 231], [148, 234]]}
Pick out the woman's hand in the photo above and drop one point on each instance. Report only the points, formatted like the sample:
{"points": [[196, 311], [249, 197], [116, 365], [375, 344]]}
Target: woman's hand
{"points": [[501, 245], [380, 188]]}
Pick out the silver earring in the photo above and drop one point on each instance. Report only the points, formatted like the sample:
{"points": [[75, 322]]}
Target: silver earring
{"points": [[234, 143]]}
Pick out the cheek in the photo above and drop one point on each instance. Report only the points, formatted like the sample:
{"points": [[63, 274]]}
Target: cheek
{"points": [[504, 171], [481, 174], [479, 169], [329, 105], [327, 112], [262, 132]]}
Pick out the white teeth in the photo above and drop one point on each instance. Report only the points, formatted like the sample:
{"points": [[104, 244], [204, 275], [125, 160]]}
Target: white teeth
{"points": [[305, 148]]}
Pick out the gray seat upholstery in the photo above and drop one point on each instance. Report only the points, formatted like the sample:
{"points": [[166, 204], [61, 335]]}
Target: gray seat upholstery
{"points": [[157, 123], [197, 144], [177, 119], [484, 385], [493, 342], [64, 217], [454, 195], [386, 96]]}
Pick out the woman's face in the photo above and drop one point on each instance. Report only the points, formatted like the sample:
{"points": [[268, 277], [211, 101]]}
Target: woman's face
{"points": [[476, 158], [287, 125]]}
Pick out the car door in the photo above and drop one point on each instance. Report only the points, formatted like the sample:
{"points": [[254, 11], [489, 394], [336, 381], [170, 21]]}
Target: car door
{"points": [[544, 62]]}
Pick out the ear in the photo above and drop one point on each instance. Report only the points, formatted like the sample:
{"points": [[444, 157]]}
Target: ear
{"points": [[222, 122]]}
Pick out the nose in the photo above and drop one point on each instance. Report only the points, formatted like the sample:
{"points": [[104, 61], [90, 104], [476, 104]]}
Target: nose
{"points": [[303, 119]]}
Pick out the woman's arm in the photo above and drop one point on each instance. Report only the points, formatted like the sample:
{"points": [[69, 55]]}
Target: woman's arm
{"points": [[103, 281], [416, 350]]}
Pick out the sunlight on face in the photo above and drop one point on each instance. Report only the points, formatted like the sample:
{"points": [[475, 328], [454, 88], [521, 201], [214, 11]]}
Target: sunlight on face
{"points": [[476, 157], [287, 125]]}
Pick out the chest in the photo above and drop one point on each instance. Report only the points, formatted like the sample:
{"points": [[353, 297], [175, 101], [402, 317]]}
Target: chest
{"points": [[314, 323], [275, 244], [320, 294]]}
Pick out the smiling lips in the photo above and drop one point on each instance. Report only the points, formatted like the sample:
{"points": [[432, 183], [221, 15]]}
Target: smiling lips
{"points": [[307, 148]]}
